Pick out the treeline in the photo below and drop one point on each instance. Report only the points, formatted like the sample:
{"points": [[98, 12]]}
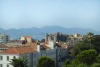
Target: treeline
{"points": [[85, 53]]}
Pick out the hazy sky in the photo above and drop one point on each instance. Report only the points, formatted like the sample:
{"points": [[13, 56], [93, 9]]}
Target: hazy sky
{"points": [[39, 13]]}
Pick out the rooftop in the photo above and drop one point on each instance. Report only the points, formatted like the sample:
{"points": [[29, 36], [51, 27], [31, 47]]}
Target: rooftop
{"points": [[19, 50], [3, 46]]}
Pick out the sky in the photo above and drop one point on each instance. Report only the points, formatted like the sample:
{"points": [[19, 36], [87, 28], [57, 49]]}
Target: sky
{"points": [[39, 13]]}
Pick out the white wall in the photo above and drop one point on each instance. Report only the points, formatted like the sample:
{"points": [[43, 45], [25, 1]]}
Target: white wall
{"points": [[6, 62]]}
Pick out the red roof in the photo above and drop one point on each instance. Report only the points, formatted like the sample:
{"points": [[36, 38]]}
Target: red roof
{"points": [[46, 47], [3, 46], [32, 45], [19, 50]]}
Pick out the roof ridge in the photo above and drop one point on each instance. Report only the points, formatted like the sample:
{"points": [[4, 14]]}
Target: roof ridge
{"points": [[16, 50], [32, 48]]}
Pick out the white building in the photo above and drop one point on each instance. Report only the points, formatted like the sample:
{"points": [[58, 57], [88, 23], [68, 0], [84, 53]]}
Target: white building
{"points": [[31, 51], [16, 52]]}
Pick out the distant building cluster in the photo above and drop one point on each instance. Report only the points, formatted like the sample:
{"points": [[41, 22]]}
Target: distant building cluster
{"points": [[56, 37], [54, 46], [75, 38], [32, 50]]}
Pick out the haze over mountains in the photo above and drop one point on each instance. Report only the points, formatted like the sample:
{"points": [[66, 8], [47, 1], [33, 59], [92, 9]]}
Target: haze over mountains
{"points": [[39, 33]]}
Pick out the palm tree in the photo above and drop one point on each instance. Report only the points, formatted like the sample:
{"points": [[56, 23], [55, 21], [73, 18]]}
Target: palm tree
{"points": [[90, 37], [19, 62]]}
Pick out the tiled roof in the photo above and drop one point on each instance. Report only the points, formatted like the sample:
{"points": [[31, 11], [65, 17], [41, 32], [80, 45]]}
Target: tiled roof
{"points": [[10, 51], [27, 36], [32, 45], [46, 47], [3, 46], [14, 41], [63, 46], [19, 50]]}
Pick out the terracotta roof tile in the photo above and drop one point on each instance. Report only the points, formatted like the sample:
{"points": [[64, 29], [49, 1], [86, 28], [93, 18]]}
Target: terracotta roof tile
{"points": [[24, 49], [19, 50], [10, 51], [33, 45], [46, 47], [3, 46]]}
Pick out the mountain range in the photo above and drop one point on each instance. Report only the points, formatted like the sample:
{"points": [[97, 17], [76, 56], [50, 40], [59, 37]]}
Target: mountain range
{"points": [[39, 33]]}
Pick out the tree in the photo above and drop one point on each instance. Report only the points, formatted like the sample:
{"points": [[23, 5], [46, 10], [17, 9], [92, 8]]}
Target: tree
{"points": [[45, 62], [90, 37], [97, 62], [86, 57], [66, 63], [95, 65], [98, 59], [72, 64], [82, 65], [80, 46], [19, 62], [96, 43]]}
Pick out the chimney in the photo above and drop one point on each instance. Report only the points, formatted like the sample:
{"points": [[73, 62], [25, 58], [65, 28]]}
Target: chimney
{"points": [[38, 47], [51, 43]]}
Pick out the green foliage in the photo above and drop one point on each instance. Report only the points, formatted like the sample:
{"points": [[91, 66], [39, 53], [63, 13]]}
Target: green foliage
{"points": [[85, 52], [91, 42], [95, 65], [82, 65], [96, 43], [86, 56], [73, 64], [45, 62], [19, 62], [90, 36], [98, 59], [66, 63], [80, 46]]}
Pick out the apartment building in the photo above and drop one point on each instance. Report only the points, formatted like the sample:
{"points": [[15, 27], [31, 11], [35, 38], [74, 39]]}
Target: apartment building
{"points": [[15, 52], [31, 51], [4, 38]]}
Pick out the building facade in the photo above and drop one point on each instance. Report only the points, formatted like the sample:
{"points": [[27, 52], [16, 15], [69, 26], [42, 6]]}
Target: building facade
{"points": [[4, 38]]}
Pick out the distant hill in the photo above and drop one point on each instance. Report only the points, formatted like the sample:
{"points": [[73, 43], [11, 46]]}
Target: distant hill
{"points": [[39, 33]]}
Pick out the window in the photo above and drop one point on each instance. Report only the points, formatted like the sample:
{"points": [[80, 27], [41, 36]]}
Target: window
{"points": [[34, 55], [7, 65], [1, 58], [1, 65], [34, 63], [8, 58]]}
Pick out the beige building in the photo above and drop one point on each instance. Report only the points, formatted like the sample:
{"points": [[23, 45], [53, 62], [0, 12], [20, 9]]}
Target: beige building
{"points": [[3, 47], [26, 38]]}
